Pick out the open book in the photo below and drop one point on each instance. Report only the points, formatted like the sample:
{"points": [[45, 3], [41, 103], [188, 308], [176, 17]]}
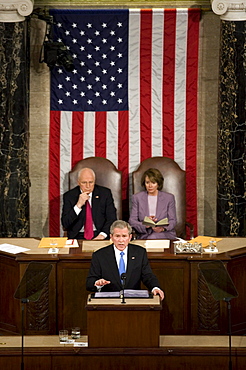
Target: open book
{"points": [[149, 222]]}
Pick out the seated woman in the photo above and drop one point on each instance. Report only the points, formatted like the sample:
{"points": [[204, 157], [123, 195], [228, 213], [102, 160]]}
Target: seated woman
{"points": [[155, 204]]}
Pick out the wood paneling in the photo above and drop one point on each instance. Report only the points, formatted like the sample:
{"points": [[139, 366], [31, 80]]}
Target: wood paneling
{"points": [[188, 307], [237, 271], [174, 280], [191, 358], [9, 307], [72, 295]]}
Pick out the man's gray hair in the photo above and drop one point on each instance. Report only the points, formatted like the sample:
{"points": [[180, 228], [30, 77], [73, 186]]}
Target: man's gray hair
{"points": [[120, 224], [86, 168]]}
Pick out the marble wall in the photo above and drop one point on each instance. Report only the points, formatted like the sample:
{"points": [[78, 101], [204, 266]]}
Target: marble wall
{"points": [[14, 125], [207, 128], [232, 131]]}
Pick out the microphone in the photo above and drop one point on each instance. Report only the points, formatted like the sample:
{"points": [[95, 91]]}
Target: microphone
{"points": [[123, 279]]}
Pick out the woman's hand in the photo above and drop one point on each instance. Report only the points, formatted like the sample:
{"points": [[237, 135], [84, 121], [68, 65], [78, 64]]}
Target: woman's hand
{"points": [[158, 229], [153, 218]]}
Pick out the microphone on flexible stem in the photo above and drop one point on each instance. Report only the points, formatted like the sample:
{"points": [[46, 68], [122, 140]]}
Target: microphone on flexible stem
{"points": [[123, 280]]}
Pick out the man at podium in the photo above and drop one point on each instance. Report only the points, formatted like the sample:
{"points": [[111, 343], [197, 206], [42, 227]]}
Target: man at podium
{"points": [[109, 263]]}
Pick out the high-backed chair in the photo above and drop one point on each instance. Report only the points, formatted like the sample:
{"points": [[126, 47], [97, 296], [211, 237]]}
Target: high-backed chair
{"points": [[106, 175], [174, 182]]}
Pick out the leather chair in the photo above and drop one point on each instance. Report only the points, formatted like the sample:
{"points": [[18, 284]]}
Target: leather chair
{"points": [[106, 175], [174, 182]]}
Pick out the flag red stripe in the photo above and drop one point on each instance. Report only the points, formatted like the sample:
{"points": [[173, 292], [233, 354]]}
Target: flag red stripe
{"points": [[100, 134], [145, 84], [168, 82], [191, 116], [123, 156], [54, 174], [77, 136]]}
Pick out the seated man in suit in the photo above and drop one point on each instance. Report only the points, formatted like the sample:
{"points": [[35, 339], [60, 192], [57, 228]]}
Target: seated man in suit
{"points": [[105, 270], [88, 209]]}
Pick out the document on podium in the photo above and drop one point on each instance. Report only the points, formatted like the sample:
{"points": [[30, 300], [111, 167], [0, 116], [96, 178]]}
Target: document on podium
{"points": [[13, 249], [128, 293]]}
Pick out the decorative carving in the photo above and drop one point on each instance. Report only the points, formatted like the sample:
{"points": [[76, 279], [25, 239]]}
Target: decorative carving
{"points": [[230, 10], [15, 10], [37, 313], [208, 308]]}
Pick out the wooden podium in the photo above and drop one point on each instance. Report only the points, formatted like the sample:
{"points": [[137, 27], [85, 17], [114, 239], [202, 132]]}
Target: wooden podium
{"points": [[134, 324]]}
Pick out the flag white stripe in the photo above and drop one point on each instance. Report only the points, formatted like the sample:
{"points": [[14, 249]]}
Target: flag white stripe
{"points": [[65, 153], [89, 134], [134, 88], [180, 87], [157, 73], [112, 137]]}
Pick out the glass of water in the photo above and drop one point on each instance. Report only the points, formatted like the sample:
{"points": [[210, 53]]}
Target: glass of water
{"points": [[63, 336], [75, 333]]}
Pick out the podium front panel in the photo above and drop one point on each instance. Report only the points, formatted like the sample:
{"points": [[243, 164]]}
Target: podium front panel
{"points": [[134, 324]]}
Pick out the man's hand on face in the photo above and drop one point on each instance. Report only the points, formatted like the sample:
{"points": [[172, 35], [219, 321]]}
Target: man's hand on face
{"points": [[83, 197]]}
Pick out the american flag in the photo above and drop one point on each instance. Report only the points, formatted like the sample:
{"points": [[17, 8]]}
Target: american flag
{"points": [[132, 94]]}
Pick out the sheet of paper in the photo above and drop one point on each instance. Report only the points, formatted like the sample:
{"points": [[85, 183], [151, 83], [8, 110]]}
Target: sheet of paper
{"points": [[161, 243], [71, 243], [209, 250], [142, 293], [69, 341], [14, 249], [80, 344]]}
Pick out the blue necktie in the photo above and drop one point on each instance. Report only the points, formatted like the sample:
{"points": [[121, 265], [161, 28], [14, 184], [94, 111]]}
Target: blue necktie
{"points": [[122, 268]]}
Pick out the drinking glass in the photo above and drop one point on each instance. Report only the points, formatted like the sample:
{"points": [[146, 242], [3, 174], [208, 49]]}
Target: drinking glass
{"points": [[75, 334], [63, 335]]}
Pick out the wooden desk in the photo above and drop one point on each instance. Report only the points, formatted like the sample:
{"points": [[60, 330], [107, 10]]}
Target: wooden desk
{"points": [[175, 352], [188, 307]]}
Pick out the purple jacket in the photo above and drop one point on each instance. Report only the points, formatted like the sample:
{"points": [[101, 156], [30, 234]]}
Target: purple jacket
{"points": [[165, 208]]}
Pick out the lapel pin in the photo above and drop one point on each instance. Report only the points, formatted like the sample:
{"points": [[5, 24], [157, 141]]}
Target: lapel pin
{"points": [[97, 196], [133, 258]]}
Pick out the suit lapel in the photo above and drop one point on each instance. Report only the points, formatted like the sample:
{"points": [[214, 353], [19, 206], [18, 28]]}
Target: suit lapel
{"points": [[131, 257], [145, 203], [95, 201], [160, 205]]}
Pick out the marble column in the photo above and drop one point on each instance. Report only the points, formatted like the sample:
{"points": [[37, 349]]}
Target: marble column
{"points": [[231, 198], [14, 106]]}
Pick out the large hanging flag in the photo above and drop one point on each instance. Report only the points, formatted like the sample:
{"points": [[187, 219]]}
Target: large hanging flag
{"points": [[131, 95]]}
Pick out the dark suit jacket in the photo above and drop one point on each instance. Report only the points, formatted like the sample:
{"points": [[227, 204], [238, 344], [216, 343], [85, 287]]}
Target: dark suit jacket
{"points": [[165, 208], [103, 211], [104, 265]]}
